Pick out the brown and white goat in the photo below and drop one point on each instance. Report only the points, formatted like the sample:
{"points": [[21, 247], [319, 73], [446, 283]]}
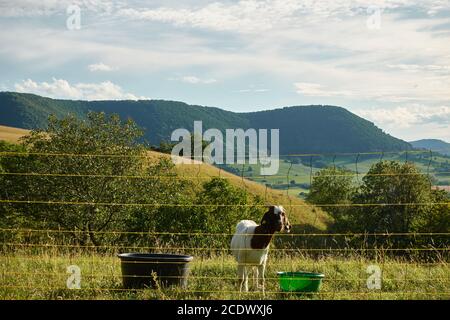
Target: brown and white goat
{"points": [[250, 244]]}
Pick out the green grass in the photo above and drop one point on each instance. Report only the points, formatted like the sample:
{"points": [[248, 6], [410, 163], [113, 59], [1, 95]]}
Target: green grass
{"points": [[43, 276]]}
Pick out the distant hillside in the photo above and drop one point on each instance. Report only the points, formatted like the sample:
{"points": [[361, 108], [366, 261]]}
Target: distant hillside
{"points": [[303, 129], [433, 145]]}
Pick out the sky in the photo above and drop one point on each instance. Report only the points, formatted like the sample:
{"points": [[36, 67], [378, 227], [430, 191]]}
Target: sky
{"points": [[385, 60]]}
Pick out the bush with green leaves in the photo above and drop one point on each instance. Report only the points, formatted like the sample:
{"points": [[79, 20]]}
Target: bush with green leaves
{"points": [[334, 187], [224, 205], [219, 207]]}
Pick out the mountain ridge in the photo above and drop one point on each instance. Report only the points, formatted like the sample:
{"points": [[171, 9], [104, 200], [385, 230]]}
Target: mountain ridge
{"points": [[303, 129], [438, 145]]}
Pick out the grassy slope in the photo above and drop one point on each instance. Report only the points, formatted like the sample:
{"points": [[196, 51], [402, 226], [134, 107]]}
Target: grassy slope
{"points": [[11, 134]]}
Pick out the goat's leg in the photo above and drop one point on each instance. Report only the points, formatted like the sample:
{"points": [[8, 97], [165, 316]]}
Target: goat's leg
{"points": [[241, 275], [246, 278], [261, 270], [255, 278]]}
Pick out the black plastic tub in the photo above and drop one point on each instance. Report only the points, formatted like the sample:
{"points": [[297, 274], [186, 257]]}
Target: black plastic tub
{"points": [[140, 270]]}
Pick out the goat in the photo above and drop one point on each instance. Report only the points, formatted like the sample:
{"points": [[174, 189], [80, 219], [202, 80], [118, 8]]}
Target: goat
{"points": [[250, 244]]}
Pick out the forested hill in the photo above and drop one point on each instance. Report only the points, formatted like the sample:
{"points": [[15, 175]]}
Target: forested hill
{"points": [[303, 129], [319, 129]]}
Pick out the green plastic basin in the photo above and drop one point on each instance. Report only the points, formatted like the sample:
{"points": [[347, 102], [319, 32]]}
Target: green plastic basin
{"points": [[300, 281]]}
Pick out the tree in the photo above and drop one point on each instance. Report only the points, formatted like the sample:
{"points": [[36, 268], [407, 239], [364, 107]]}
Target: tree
{"points": [[333, 187], [98, 174], [165, 147], [8, 162], [224, 205], [393, 198], [438, 220]]}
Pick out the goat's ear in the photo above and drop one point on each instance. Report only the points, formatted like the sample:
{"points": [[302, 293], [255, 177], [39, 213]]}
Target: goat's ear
{"points": [[271, 209]]}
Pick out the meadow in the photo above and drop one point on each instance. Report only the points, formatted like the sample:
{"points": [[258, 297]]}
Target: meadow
{"points": [[43, 275]]}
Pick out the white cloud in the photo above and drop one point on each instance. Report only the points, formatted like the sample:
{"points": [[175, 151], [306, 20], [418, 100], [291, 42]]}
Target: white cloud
{"points": [[100, 67], [254, 16], [33, 8], [253, 89], [60, 88], [317, 90], [220, 15], [194, 80], [411, 122], [417, 68], [243, 16], [20, 8], [407, 116]]}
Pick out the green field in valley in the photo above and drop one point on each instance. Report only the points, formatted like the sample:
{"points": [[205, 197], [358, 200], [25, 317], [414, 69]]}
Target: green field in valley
{"points": [[295, 173]]}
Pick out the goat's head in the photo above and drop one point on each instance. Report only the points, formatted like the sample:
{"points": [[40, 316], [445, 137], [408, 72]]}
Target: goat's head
{"points": [[275, 218]]}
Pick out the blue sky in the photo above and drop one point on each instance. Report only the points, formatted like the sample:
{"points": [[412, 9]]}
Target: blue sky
{"points": [[387, 61]]}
